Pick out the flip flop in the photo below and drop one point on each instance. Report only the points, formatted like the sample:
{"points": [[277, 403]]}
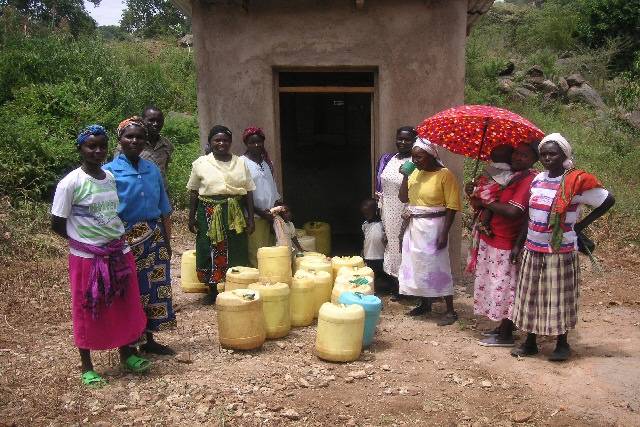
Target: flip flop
{"points": [[494, 341], [524, 351], [137, 364], [92, 380]]}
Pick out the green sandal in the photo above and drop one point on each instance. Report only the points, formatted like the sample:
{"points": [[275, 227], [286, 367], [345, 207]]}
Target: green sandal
{"points": [[137, 364], [92, 380]]}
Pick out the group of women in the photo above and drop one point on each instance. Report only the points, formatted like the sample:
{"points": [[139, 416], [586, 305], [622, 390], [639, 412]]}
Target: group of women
{"points": [[116, 218], [526, 270]]}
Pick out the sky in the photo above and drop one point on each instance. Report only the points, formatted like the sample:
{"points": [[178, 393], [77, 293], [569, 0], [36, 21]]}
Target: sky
{"points": [[108, 13]]}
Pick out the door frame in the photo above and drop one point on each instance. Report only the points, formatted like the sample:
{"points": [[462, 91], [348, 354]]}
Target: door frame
{"points": [[373, 90]]}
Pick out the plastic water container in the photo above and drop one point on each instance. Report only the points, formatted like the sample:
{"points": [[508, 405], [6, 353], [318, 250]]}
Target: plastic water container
{"points": [[345, 261], [322, 232], [372, 306], [274, 264], [240, 278], [240, 319], [188, 277], [361, 284], [300, 232], [275, 306], [300, 257], [220, 287], [301, 300], [322, 287], [340, 331], [308, 243], [317, 264], [355, 271]]}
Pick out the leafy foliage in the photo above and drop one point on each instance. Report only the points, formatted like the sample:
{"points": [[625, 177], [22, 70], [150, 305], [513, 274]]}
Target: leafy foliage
{"points": [[152, 18], [53, 13]]}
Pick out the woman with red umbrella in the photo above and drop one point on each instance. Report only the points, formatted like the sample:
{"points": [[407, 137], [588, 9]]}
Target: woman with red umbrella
{"points": [[495, 275], [433, 198]]}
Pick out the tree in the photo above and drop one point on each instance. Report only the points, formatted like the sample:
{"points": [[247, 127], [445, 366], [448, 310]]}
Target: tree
{"points": [[149, 18], [55, 13]]}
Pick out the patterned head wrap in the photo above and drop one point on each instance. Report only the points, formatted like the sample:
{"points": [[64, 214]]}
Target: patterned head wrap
{"points": [[564, 146], [89, 131], [131, 121], [429, 147], [252, 130]]}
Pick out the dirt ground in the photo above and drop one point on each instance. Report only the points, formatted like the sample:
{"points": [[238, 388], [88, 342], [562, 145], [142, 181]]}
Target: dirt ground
{"points": [[414, 374]]}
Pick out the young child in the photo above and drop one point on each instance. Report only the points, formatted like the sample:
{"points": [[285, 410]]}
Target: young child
{"points": [[374, 237], [496, 175], [105, 301], [285, 229]]}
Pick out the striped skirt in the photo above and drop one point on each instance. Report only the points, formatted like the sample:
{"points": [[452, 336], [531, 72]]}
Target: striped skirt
{"points": [[547, 293]]}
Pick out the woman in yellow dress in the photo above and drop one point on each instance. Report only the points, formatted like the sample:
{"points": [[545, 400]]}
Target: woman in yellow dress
{"points": [[221, 186], [433, 196]]}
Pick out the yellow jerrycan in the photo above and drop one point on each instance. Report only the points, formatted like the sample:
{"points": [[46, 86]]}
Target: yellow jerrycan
{"points": [[308, 243], [240, 319], [345, 261], [300, 257], [240, 278], [317, 264], [340, 332], [302, 299], [355, 271], [360, 284], [188, 277], [275, 306], [322, 232], [274, 264], [322, 286]]}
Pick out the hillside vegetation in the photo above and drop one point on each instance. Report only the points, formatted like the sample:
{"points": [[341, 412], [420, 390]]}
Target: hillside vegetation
{"points": [[53, 82]]}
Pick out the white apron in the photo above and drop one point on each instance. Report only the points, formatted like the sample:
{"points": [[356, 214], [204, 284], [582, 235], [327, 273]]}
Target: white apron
{"points": [[424, 270]]}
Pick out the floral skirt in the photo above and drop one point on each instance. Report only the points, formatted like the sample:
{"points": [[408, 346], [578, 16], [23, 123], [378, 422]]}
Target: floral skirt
{"points": [[495, 282], [154, 279]]}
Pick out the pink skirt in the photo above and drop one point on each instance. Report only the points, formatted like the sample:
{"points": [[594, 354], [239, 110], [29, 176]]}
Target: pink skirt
{"points": [[119, 324], [495, 284]]}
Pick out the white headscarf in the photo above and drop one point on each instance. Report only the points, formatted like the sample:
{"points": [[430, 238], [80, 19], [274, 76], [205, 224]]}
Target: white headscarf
{"points": [[429, 147], [564, 146]]}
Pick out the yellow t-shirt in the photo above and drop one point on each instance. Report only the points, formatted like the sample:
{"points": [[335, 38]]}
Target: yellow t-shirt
{"points": [[439, 188], [211, 177]]}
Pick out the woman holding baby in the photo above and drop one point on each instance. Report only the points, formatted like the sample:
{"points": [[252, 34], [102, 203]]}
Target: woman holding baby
{"points": [[502, 217]]}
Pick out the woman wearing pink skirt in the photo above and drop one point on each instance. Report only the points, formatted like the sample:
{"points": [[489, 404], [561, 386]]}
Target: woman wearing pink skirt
{"points": [[105, 302]]}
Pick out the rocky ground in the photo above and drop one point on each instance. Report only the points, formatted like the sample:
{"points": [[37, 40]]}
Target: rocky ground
{"points": [[415, 373]]}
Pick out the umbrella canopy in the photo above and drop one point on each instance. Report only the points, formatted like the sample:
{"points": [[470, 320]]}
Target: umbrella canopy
{"points": [[474, 130]]}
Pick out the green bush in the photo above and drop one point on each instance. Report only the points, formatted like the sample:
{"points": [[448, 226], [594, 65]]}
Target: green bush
{"points": [[179, 171]]}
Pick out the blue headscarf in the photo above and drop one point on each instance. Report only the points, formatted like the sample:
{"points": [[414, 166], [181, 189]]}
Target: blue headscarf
{"points": [[91, 130]]}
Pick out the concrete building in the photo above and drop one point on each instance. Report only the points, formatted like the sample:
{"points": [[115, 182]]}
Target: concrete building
{"points": [[329, 81]]}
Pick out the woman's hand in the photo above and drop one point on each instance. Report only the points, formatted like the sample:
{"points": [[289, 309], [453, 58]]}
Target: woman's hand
{"points": [[193, 225], [468, 188], [443, 239], [515, 254], [266, 214]]}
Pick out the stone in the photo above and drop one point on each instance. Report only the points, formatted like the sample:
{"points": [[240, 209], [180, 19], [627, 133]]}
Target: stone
{"points": [[291, 414], [548, 86], [486, 384], [281, 345], [535, 72], [385, 368], [186, 41], [508, 69], [120, 408], [521, 417], [585, 94], [563, 85], [524, 93], [506, 85], [304, 383], [358, 375], [632, 118], [575, 80]]}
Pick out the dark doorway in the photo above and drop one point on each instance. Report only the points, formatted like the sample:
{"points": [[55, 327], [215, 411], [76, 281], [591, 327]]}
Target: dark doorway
{"points": [[326, 159]]}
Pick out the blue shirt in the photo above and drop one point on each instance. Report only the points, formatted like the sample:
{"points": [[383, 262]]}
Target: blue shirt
{"points": [[140, 191]]}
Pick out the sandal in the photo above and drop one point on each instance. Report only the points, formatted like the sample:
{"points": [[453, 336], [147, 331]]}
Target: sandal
{"points": [[136, 364], [448, 319], [92, 380], [496, 341]]}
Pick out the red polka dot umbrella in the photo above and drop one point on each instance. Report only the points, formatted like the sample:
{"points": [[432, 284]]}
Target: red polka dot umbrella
{"points": [[474, 130]]}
